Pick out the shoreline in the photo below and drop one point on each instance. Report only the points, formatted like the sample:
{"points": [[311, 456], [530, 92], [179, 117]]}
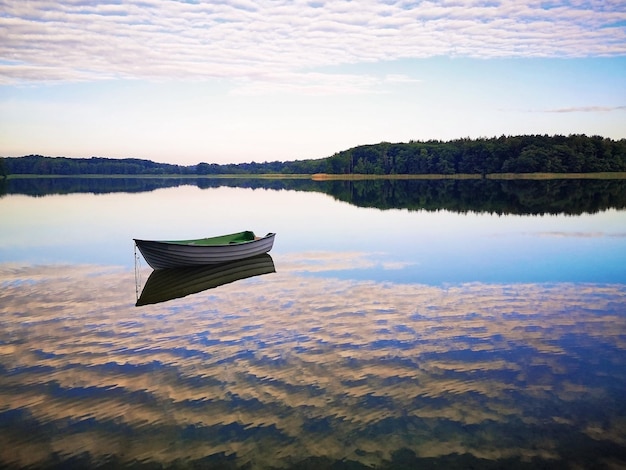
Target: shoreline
{"points": [[346, 177]]}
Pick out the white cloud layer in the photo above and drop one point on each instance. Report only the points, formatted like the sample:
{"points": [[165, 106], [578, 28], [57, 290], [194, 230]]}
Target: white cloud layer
{"points": [[588, 109], [270, 45]]}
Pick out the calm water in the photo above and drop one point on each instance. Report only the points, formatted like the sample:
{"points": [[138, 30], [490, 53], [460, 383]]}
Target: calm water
{"points": [[396, 338]]}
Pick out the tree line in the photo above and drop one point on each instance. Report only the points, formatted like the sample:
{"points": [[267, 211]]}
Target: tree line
{"points": [[42, 165], [518, 154], [505, 154]]}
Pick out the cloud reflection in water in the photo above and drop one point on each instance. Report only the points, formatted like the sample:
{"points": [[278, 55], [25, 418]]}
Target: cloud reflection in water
{"points": [[274, 370]]}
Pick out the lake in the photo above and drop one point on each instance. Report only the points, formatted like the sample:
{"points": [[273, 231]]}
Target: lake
{"points": [[407, 324]]}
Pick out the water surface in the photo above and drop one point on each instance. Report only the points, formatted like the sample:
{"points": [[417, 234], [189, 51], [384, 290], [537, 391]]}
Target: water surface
{"points": [[395, 338]]}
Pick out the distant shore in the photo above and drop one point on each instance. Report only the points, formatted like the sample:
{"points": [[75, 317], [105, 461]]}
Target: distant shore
{"points": [[468, 176], [350, 177]]}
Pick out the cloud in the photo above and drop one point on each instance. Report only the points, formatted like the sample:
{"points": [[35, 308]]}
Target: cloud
{"points": [[393, 265], [278, 44], [557, 234], [587, 109], [311, 83], [319, 83], [321, 261]]}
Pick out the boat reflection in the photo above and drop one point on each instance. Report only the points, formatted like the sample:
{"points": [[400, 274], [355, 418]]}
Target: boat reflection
{"points": [[169, 284]]}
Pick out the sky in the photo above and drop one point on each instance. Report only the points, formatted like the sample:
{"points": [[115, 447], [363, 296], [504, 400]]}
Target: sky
{"points": [[233, 81]]}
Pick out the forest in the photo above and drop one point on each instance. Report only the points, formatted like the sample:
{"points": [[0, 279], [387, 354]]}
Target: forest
{"points": [[506, 154], [520, 154]]}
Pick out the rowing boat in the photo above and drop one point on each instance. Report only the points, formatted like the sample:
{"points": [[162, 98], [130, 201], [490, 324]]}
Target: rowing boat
{"points": [[162, 254]]}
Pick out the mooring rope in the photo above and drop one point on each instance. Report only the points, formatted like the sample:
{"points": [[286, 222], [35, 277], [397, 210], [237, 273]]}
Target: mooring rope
{"points": [[137, 272]]}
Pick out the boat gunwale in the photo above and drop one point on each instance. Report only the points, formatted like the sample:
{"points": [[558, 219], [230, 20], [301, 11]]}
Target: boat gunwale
{"points": [[194, 242]]}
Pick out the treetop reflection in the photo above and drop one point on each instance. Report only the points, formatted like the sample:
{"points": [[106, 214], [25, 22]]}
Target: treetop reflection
{"points": [[552, 196]]}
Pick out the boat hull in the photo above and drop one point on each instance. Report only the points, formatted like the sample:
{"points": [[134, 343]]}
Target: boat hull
{"points": [[164, 255]]}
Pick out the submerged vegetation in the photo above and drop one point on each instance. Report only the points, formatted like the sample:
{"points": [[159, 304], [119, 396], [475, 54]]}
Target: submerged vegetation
{"points": [[506, 154]]}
